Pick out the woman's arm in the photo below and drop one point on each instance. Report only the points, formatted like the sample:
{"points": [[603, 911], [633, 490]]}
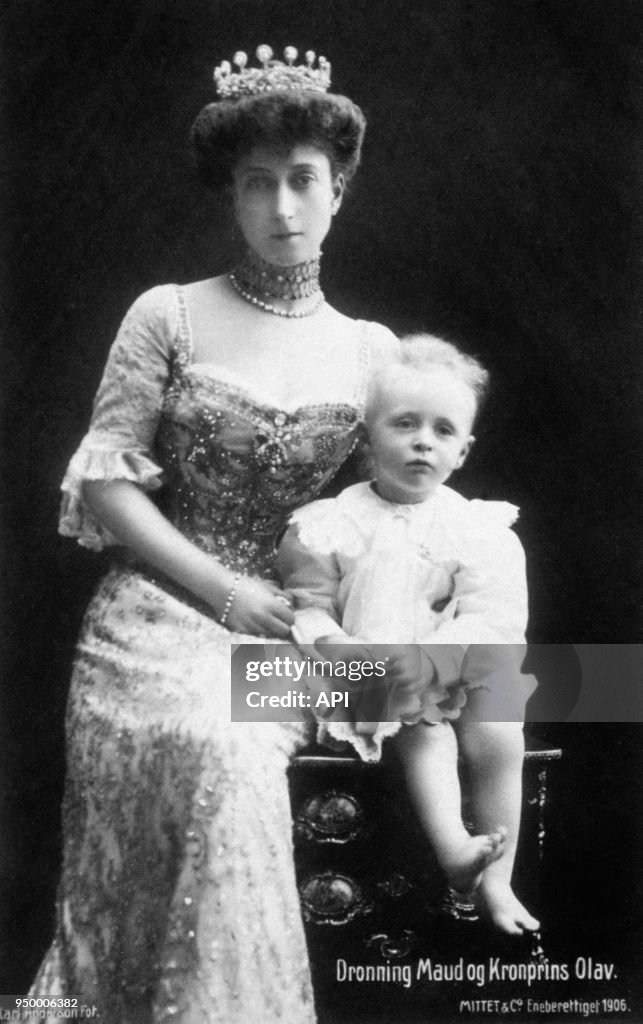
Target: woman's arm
{"points": [[133, 519], [104, 490]]}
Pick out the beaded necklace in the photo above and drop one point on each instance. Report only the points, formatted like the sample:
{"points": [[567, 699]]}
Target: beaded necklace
{"points": [[255, 277], [267, 307]]}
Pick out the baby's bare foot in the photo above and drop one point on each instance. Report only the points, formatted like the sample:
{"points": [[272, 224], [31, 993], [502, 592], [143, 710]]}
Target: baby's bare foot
{"points": [[466, 869], [498, 903]]}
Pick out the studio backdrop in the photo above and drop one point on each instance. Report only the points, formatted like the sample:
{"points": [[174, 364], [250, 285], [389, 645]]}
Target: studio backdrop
{"points": [[498, 205]]}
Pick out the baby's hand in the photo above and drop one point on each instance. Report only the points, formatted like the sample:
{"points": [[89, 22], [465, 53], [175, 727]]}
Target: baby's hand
{"points": [[340, 648], [408, 669]]}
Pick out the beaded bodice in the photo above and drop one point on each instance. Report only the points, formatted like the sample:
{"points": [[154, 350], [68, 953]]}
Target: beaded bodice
{"points": [[236, 467], [227, 464]]}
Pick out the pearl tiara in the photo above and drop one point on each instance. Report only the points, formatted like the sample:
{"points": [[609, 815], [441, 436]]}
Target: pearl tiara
{"points": [[273, 75]]}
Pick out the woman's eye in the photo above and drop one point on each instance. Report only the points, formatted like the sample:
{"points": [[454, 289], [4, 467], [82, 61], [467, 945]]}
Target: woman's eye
{"points": [[303, 180], [257, 184]]}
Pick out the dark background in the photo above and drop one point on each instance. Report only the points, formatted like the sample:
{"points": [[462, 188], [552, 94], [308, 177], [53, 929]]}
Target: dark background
{"points": [[498, 204]]}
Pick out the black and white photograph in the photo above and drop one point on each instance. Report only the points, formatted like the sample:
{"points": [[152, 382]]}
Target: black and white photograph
{"points": [[321, 511]]}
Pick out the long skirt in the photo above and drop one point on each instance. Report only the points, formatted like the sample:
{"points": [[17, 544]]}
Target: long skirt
{"points": [[177, 900]]}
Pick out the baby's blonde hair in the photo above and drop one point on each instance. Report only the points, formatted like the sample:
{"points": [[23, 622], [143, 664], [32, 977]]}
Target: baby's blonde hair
{"points": [[424, 352]]}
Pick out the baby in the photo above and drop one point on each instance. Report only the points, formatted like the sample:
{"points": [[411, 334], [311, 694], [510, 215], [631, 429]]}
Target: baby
{"points": [[405, 560]]}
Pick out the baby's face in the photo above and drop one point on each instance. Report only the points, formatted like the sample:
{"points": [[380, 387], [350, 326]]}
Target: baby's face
{"points": [[419, 429]]}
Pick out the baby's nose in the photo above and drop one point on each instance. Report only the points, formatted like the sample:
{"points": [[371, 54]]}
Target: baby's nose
{"points": [[422, 442]]}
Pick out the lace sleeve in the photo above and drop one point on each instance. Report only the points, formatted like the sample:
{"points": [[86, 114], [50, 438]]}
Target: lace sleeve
{"points": [[119, 443]]}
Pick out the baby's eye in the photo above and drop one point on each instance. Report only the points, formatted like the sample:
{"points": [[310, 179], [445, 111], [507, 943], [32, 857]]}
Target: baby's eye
{"points": [[405, 423], [443, 430]]}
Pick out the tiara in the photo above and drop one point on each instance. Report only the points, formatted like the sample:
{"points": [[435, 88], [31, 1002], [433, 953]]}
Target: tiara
{"points": [[272, 75]]}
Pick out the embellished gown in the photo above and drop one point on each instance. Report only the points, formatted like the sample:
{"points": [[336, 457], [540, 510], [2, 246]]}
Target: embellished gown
{"points": [[177, 900]]}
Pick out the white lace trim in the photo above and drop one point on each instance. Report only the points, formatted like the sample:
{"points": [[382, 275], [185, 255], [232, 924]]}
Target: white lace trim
{"points": [[93, 463], [494, 513], [325, 528], [346, 525]]}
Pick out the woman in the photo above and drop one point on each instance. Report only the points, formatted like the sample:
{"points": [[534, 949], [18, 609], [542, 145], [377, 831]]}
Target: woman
{"points": [[236, 399]]}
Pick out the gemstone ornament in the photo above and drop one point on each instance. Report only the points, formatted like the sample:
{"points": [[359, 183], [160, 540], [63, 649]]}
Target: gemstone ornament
{"points": [[273, 75]]}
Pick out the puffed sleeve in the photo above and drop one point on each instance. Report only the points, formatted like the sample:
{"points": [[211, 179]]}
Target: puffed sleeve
{"points": [[312, 578], [119, 444], [490, 594]]}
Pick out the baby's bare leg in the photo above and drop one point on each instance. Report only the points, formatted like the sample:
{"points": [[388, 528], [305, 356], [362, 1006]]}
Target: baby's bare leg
{"points": [[493, 752], [430, 758]]}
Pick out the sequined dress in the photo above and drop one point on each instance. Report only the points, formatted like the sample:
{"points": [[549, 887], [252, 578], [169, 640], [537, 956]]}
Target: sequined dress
{"points": [[177, 900]]}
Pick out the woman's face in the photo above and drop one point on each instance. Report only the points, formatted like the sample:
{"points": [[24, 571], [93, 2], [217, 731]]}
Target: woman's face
{"points": [[284, 202]]}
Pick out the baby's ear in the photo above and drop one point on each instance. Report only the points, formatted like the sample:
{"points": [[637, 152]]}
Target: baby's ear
{"points": [[464, 451], [366, 464], [362, 436]]}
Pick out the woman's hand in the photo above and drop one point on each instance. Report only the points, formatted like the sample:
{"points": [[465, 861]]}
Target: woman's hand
{"points": [[260, 608]]}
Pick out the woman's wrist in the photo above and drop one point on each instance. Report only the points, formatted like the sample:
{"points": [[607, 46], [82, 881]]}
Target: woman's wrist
{"points": [[229, 601], [213, 582]]}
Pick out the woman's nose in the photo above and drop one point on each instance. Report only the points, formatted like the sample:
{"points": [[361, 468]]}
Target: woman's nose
{"points": [[284, 202]]}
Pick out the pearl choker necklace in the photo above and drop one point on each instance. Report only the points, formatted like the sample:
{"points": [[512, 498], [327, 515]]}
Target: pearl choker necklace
{"points": [[267, 307]]}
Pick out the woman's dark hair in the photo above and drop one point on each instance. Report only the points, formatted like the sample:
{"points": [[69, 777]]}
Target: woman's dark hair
{"points": [[225, 131]]}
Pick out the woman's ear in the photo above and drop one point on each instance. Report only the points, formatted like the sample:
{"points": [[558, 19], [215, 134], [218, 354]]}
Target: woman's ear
{"points": [[464, 451], [230, 211], [232, 200], [228, 203], [339, 186]]}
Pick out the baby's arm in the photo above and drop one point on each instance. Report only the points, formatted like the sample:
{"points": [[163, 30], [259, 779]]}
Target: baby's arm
{"points": [[490, 593], [490, 622], [312, 579]]}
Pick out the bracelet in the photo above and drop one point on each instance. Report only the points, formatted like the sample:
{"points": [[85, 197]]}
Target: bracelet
{"points": [[229, 599]]}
